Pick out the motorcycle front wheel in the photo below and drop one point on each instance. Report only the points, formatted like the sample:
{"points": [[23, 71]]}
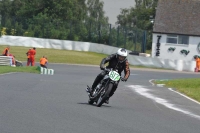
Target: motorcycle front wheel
{"points": [[105, 96]]}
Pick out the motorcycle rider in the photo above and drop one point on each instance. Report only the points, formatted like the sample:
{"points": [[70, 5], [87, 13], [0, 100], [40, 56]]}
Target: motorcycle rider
{"points": [[116, 61]]}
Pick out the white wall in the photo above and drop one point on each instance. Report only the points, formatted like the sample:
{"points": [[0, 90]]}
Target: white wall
{"points": [[165, 54], [29, 42], [56, 44]]}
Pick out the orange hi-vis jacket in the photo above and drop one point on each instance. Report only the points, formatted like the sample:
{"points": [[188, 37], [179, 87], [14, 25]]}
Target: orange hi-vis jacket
{"points": [[6, 52], [28, 53], [198, 63], [43, 61], [32, 53]]}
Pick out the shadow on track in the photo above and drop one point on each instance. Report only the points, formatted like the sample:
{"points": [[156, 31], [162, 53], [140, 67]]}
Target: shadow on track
{"points": [[94, 105]]}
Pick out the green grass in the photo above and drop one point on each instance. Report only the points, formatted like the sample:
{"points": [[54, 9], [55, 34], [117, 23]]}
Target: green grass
{"points": [[189, 87], [61, 56], [58, 56], [7, 69]]}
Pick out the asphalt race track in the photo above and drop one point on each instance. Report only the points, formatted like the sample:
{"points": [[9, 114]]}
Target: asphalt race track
{"points": [[34, 103]]}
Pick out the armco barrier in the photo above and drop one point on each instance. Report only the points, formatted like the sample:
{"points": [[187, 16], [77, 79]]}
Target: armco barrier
{"points": [[5, 61], [46, 71], [178, 65]]}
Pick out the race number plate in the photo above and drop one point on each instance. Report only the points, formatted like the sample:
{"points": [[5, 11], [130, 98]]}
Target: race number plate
{"points": [[114, 75]]}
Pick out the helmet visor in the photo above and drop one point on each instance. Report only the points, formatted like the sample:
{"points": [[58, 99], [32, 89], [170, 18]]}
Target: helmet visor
{"points": [[121, 58]]}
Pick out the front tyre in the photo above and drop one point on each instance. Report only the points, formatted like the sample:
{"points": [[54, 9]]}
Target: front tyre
{"points": [[103, 98]]}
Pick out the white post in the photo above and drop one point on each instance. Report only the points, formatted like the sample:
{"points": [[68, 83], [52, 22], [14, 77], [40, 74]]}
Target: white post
{"points": [[50, 71], [45, 71], [41, 70]]}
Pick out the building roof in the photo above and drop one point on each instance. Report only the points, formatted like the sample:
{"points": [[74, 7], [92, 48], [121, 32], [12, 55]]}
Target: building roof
{"points": [[178, 17]]}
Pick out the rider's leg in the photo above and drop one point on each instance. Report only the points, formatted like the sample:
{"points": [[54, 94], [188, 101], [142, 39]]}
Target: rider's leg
{"points": [[98, 79]]}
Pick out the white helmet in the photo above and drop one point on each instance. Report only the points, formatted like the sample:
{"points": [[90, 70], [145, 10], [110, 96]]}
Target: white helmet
{"points": [[122, 54]]}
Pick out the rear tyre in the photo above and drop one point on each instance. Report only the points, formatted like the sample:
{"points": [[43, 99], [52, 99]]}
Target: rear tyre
{"points": [[103, 98]]}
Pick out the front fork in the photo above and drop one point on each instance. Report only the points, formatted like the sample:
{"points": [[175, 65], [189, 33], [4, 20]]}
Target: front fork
{"points": [[107, 83]]}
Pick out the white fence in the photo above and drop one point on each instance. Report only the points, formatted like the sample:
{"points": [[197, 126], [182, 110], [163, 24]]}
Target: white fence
{"points": [[5, 61], [178, 65]]}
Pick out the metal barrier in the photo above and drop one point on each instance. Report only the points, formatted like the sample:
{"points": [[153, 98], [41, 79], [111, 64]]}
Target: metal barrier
{"points": [[5, 61]]}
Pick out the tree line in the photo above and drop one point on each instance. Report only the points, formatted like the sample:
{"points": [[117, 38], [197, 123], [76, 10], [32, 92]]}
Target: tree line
{"points": [[78, 20], [141, 16]]}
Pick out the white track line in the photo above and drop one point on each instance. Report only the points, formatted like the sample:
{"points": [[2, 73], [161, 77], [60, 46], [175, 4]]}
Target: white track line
{"points": [[146, 93], [184, 96], [151, 81]]}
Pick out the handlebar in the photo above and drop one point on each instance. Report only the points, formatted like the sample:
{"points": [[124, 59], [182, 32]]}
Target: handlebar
{"points": [[108, 69]]}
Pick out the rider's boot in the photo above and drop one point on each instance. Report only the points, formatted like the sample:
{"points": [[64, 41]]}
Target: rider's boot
{"points": [[107, 101], [89, 90]]}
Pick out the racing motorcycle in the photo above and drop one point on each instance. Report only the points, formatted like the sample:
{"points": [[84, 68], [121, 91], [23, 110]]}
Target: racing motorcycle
{"points": [[103, 89]]}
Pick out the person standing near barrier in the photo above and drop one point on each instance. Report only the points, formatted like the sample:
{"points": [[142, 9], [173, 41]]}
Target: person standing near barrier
{"points": [[198, 63], [6, 51], [28, 57], [43, 62], [32, 53]]}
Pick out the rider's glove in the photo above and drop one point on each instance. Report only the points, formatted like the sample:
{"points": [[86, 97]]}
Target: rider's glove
{"points": [[123, 79]]}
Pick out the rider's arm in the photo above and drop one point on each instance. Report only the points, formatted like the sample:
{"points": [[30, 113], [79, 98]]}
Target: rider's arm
{"points": [[126, 70], [107, 59]]}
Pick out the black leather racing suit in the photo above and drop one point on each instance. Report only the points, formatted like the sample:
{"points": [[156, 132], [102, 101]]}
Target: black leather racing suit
{"points": [[114, 63]]}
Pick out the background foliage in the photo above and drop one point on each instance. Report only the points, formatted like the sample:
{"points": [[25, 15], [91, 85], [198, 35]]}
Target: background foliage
{"points": [[141, 16], [78, 20]]}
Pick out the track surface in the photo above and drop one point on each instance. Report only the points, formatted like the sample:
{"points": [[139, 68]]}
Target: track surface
{"points": [[34, 103]]}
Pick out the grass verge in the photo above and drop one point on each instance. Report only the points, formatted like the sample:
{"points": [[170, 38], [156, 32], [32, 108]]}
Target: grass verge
{"points": [[7, 69], [58, 56], [189, 87], [61, 56]]}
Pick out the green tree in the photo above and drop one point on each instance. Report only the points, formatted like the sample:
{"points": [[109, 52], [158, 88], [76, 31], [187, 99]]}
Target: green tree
{"points": [[95, 11], [139, 17], [80, 20], [5, 12], [96, 21]]}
